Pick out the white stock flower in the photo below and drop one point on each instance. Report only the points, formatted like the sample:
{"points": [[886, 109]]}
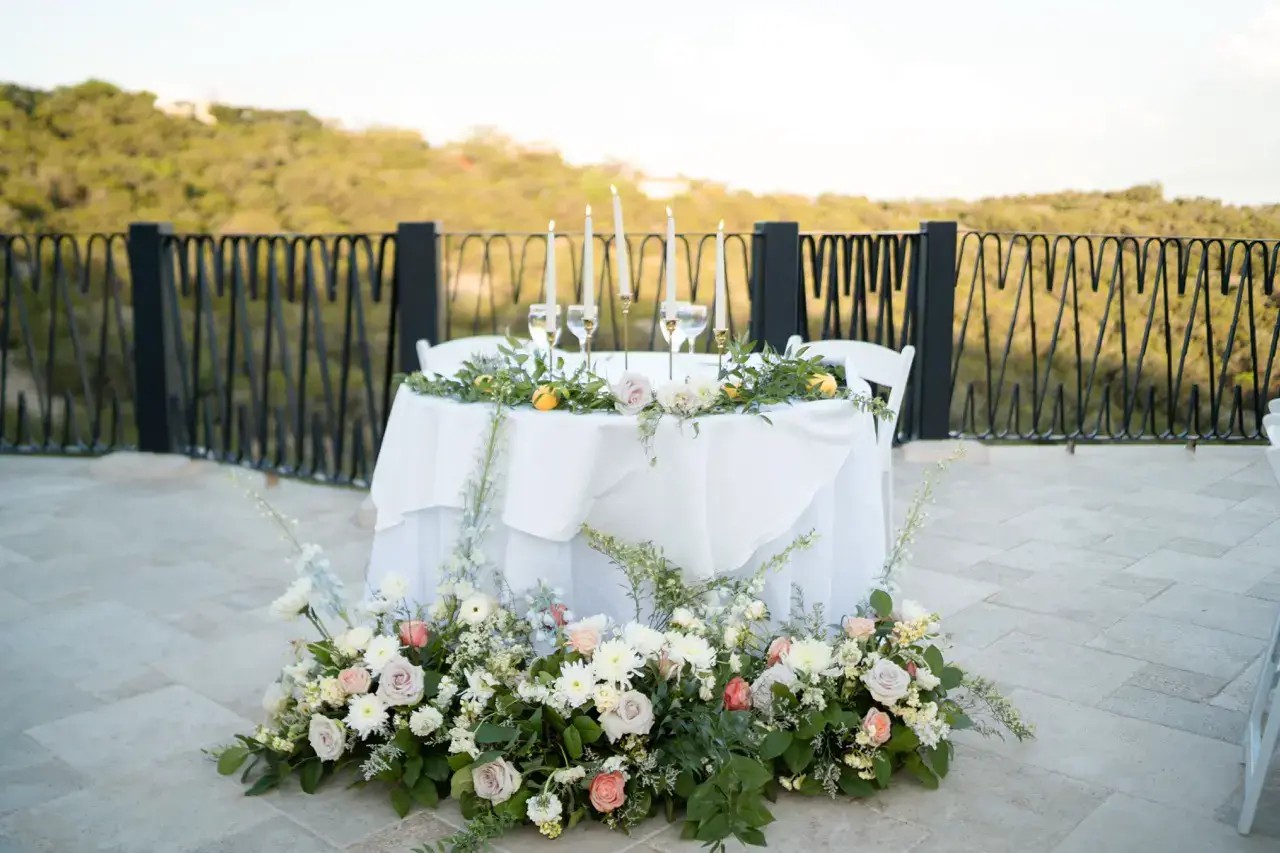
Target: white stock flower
{"points": [[496, 781], [438, 610], [886, 681], [375, 606], [445, 691], [274, 699], [331, 692], [354, 640], [735, 662], [568, 775], [643, 639], [576, 684], [366, 714], [691, 649], [544, 808], [615, 661], [534, 692], [297, 672], [762, 687], [632, 716], [394, 587], [425, 721], [380, 652], [477, 608], [294, 600], [811, 656], [926, 679], [326, 737]]}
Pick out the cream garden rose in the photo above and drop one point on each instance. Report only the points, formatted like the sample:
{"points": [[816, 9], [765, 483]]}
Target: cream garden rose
{"points": [[886, 681], [327, 737], [496, 781], [633, 715], [400, 683]]}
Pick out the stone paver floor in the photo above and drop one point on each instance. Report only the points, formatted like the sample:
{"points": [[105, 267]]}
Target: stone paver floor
{"points": [[1121, 595]]}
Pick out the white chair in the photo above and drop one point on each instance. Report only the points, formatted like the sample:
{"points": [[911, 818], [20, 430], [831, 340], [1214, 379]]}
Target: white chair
{"points": [[882, 366], [447, 356]]}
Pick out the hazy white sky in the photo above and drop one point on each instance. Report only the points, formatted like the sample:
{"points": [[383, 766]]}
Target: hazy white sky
{"points": [[885, 99]]}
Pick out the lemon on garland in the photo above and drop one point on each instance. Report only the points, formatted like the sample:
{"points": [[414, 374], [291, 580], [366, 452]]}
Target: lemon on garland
{"points": [[823, 383], [545, 398], [732, 390], [483, 383]]}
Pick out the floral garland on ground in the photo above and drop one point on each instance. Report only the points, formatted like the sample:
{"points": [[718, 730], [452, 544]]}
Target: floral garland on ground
{"points": [[708, 706]]}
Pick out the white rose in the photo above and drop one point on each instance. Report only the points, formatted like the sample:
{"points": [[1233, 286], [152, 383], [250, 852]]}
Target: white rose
{"points": [[756, 610], [762, 687], [886, 681], [632, 716], [631, 393], [274, 699], [394, 588], [477, 608], [425, 721], [926, 679], [294, 600], [643, 639], [354, 640], [400, 683], [496, 781], [327, 737]]}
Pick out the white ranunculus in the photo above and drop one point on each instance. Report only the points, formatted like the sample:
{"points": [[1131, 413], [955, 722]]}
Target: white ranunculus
{"points": [[380, 651], [886, 681], [394, 588], [633, 715], [476, 608], [762, 687], [643, 639], [400, 682], [811, 656], [354, 640], [274, 699], [327, 737], [366, 715], [631, 393], [425, 721], [926, 679], [496, 781], [295, 599]]}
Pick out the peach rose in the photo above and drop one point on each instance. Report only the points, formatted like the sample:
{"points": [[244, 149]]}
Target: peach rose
{"points": [[414, 633], [778, 649], [354, 680], [608, 791], [737, 695], [858, 627], [877, 725], [584, 635]]}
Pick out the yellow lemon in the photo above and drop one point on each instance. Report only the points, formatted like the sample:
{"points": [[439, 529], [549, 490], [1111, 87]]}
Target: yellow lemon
{"points": [[823, 383], [545, 398], [484, 382], [732, 390]]}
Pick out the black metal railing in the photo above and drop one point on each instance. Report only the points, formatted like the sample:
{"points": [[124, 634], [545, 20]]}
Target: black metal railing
{"points": [[1107, 337]]}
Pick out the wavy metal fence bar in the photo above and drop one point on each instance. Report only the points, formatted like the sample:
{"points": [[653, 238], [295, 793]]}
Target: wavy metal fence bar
{"points": [[1108, 337]]}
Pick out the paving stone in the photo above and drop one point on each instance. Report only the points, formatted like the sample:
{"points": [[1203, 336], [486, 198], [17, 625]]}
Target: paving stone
{"points": [[943, 553], [1190, 716], [1178, 682], [1146, 587], [339, 814], [1211, 608], [418, 829], [1141, 543], [1266, 820], [1215, 573], [142, 730], [258, 657], [1062, 596], [1231, 490], [281, 835], [1238, 694], [33, 695], [981, 624], [595, 837], [1268, 590], [1054, 667], [23, 787], [994, 573], [1129, 824], [1177, 644], [944, 593], [1059, 559], [1187, 771], [13, 608], [1167, 503]]}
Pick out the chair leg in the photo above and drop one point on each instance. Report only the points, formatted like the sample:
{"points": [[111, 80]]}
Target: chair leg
{"points": [[886, 491], [1261, 731]]}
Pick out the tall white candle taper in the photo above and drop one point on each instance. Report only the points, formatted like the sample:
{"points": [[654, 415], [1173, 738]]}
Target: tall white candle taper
{"points": [[722, 298], [588, 271], [671, 257], [620, 243], [551, 270]]}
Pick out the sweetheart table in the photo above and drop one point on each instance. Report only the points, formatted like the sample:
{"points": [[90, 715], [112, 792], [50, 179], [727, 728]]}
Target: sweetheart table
{"points": [[721, 500]]}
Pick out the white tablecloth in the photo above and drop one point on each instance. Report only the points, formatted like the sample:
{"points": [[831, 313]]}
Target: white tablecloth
{"points": [[718, 502]]}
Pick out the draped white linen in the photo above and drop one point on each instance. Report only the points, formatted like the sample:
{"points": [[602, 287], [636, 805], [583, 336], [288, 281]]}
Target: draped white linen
{"points": [[720, 501]]}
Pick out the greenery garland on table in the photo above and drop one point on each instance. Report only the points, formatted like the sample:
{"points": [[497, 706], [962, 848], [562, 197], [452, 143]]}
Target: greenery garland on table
{"points": [[708, 708]]}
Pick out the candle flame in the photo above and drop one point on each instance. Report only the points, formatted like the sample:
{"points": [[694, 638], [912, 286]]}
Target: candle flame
{"points": [[721, 226], [613, 189], [588, 210], [551, 226], [668, 213]]}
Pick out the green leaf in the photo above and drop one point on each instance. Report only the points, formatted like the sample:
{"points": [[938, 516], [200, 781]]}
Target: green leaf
{"points": [[689, 831], [459, 760], [588, 728], [426, 793], [951, 677], [752, 809], [684, 785], [489, 733], [933, 657], [575, 817], [714, 828], [749, 773], [436, 767], [775, 743], [881, 603], [960, 720], [883, 767], [412, 770], [903, 740], [812, 723], [704, 802], [461, 783], [401, 801], [573, 742], [916, 768], [936, 759], [751, 835], [309, 775], [230, 760], [854, 785], [798, 755], [406, 742], [265, 783]]}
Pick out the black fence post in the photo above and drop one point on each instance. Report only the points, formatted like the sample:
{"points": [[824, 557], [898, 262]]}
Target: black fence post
{"points": [[152, 350], [935, 322], [775, 283], [418, 289]]}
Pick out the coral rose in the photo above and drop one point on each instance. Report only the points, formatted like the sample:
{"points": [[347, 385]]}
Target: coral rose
{"points": [[608, 791], [823, 383], [355, 680], [545, 398], [414, 633], [778, 649], [557, 613], [877, 724], [737, 695]]}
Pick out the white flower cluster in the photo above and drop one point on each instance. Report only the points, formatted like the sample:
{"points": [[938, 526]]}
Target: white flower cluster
{"points": [[688, 398]]}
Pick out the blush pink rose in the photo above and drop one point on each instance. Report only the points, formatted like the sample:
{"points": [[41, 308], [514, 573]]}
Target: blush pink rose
{"points": [[877, 725], [737, 695], [858, 627], [354, 680], [632, 393], [557, 613], [584, 635], [778, 649], [414, 633], [608, 791]]}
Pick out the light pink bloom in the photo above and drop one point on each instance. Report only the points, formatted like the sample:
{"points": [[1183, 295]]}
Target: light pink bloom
{"points": [[877, 725]]}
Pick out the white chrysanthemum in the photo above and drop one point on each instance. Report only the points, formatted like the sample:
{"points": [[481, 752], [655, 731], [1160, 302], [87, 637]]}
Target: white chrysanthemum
{"points": [[425, 721], [615, 661], [544, 808], [810, 656], [274, 699], [643, 639], [354, 640], [576, 684], [705, 389], [294, 600], [476, 608], [394, 587], [366, 714], [380, 652], [691, 649], [732, 634]]}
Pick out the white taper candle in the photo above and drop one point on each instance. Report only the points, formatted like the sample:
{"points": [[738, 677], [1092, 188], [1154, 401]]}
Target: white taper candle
{"points": [[620, 244]]}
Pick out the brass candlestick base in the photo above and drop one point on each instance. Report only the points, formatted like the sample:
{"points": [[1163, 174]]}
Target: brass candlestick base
{"points": [[589, 328], [721, 336], [625, 299], [670, 324]]}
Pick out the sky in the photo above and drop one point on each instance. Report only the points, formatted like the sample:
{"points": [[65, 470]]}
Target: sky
{"points": [[919, 99]]}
